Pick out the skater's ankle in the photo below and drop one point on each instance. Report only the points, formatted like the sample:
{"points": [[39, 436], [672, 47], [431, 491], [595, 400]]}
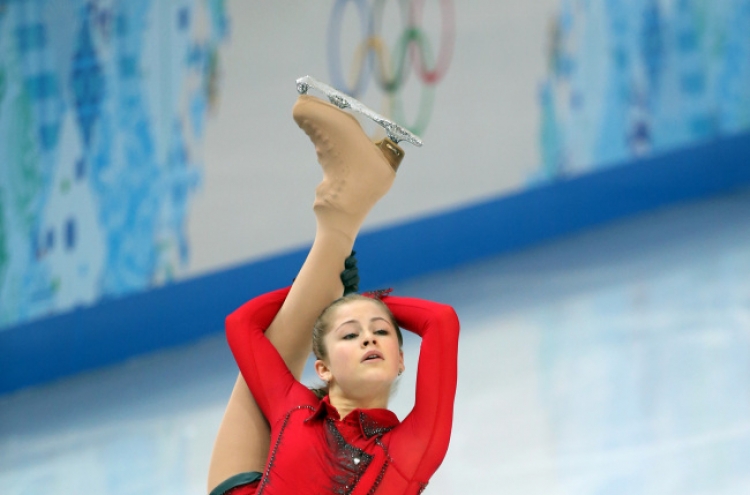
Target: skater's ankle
{"points": [[336, 223]]}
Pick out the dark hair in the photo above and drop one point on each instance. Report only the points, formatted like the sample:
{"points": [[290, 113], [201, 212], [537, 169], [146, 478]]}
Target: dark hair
{"points": [[323, 326]]}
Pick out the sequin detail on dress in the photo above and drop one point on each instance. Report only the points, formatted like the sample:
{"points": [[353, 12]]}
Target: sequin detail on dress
{"points": [[372, 428], [349, 462], [376, 484], [272, 457]]}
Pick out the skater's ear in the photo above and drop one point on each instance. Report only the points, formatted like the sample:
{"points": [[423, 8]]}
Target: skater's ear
{"points": [[323, 371]]}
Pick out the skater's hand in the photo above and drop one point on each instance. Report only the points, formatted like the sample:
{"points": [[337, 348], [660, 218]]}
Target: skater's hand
{"points": [[350, 275]]}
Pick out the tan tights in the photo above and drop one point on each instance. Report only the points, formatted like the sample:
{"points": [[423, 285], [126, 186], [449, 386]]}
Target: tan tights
{"points": [[356, 174]]}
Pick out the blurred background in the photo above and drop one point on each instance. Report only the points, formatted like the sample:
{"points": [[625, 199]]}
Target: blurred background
{"points": [[582, 199]]}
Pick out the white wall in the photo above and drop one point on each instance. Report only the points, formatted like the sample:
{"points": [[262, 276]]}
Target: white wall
{"points": [[260, 169]]}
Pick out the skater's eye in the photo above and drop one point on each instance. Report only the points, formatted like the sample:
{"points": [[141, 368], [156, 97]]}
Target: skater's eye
{"points": [[383, 331], [349, 336]]}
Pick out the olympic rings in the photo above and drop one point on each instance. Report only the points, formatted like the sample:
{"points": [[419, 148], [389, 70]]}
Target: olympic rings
{"points": [[446, 42], [334, 34], [392, 67]]}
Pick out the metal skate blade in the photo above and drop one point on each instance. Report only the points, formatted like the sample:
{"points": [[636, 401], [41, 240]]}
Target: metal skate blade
{"points": [[394, 131]]}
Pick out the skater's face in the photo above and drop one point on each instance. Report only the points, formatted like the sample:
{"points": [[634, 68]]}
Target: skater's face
{"points": [[363, 353]]}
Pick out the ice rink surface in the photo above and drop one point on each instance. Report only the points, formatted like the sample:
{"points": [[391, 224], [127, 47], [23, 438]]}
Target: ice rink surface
{"points": [[615, 361]]}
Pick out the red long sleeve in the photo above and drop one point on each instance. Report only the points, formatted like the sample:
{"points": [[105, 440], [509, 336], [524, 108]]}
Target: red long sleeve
{"points": [[421, 441], [272, 384]]}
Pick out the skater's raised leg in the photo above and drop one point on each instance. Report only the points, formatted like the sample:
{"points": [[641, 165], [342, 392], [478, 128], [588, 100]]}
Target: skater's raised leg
{"points": [[356, 174]]}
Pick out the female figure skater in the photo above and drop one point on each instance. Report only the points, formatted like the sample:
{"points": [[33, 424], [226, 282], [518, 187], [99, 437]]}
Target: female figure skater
{"points": [[356, 175], [348, 443]]}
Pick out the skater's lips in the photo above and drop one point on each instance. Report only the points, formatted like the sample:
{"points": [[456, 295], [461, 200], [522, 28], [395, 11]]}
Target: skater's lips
{"points": [[372, 355]]}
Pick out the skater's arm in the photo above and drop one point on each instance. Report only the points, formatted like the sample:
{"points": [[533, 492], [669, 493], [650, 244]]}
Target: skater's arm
{"points": [[421, 441], [242, 441], [272, 384]]}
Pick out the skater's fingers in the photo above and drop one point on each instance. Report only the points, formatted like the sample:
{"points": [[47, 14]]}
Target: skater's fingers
{"points": [[350, 277], [351, 260]]}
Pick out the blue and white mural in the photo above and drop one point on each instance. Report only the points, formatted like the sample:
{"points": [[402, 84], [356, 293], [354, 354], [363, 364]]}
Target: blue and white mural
{"points": [[104, 132], [102, 109], [627, 78]]}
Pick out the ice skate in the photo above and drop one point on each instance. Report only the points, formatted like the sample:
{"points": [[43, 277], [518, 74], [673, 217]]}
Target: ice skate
{"points": [[395, 132], [356, 171]]}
